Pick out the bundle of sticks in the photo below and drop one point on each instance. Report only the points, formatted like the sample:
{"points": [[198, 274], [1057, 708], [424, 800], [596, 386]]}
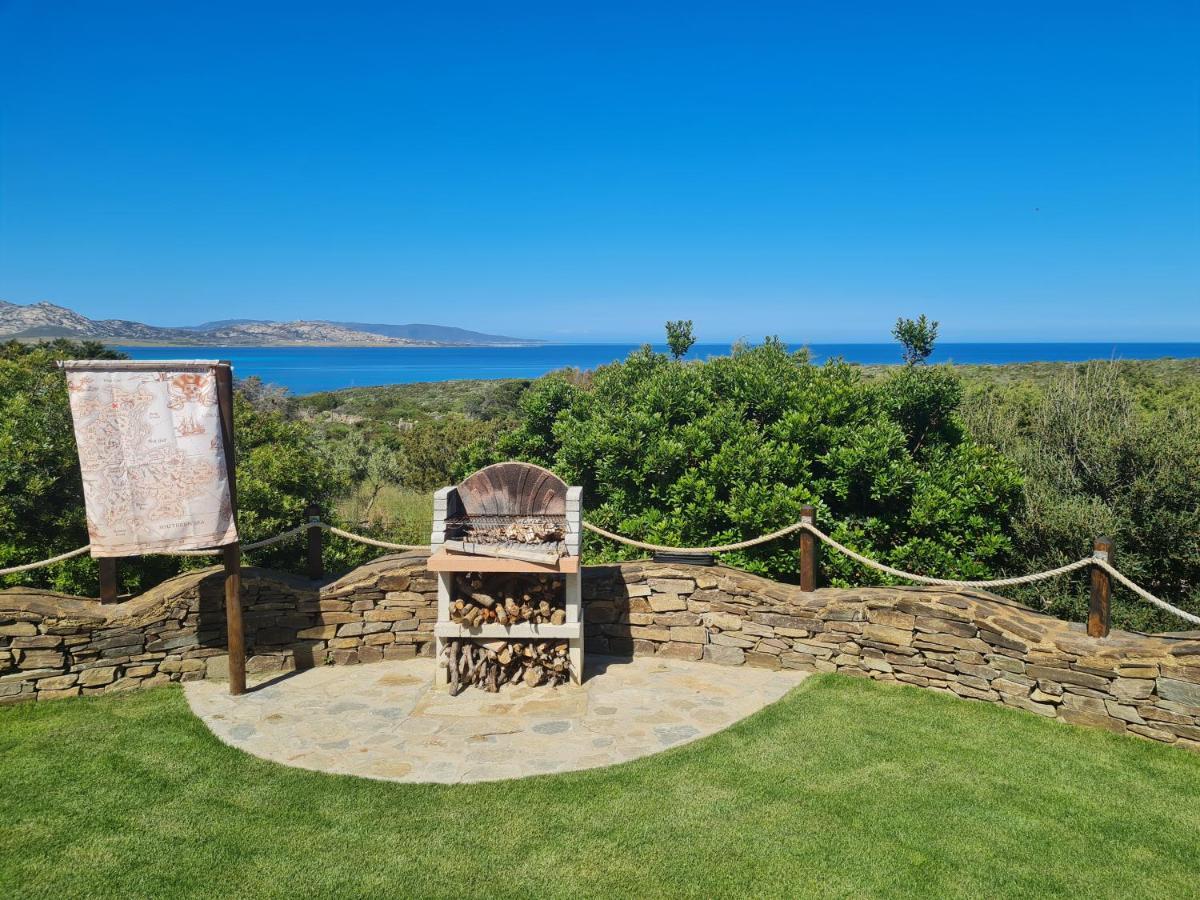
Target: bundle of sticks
{"points": [[507, 600], [490, 664]]}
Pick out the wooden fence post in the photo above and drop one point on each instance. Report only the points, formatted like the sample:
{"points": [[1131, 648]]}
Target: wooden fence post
{"points": [[808, 551], [316, 568], [1099, 606], [231, 554], [108, 579]]}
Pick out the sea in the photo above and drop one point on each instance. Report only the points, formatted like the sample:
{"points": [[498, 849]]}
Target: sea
{"points": [[307, 370]]}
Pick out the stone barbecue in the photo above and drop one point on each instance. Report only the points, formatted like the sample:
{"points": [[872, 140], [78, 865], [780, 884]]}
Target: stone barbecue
{"points": [[505, 548]]}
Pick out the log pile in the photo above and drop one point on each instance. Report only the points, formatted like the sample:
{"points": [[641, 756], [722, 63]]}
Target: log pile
{"points": [[524, 531], [507, 600], [489, 664]]}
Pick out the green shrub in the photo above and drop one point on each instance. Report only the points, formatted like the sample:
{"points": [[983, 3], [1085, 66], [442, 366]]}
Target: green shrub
{"points": [[1097, 462], [280, 470], [702, 453]]}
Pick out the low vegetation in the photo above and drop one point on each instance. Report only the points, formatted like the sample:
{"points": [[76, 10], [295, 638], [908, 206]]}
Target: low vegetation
{"points": [[968, 471], [843, 788]]}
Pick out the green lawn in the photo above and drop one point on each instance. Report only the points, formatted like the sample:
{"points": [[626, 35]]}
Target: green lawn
{"points": [[845, 788]]}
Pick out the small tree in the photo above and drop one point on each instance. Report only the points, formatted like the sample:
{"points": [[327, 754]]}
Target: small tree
{"points": [[679, 337], [917, 337]]}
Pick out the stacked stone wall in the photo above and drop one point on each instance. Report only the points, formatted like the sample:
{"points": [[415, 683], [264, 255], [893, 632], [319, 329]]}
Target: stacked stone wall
{"points": [[975, 645], [53, 645], [968, 643]]}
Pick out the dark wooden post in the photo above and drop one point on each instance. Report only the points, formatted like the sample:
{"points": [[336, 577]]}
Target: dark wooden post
{"points": [[108, 579], [808, 551], [316, 568], [1100, 604], [232, 554]]}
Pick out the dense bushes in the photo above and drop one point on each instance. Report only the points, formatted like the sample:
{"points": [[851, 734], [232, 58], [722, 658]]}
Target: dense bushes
{"points": [[1096, 461], [41, 494], [694, 453]]}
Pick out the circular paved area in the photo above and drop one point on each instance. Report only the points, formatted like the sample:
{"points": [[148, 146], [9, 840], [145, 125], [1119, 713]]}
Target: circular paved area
{"points": [[385, 721]]}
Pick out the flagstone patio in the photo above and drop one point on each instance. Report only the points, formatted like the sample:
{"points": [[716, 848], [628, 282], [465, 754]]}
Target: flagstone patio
{"points": [[385, 721]]}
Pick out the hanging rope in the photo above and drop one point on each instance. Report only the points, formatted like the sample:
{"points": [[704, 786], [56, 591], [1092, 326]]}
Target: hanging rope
{"points": [[370, 542], [908, 576], [722, 548], [13, 570]]}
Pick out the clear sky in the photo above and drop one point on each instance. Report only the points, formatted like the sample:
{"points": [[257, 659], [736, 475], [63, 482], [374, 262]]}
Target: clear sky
{"points": [[583, 172]]}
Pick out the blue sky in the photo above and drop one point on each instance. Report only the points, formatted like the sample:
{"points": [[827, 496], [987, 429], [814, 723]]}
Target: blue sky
{"points": [[584, 172]]}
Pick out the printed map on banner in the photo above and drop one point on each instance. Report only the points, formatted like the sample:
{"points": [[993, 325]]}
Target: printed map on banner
{"points": [[152, 457]]}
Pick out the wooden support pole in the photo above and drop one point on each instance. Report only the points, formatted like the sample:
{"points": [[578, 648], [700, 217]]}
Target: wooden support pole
{"points": [[232, 554], [108, 579], [808, 551], [1100, 603], [316, 568], [232, 557]]}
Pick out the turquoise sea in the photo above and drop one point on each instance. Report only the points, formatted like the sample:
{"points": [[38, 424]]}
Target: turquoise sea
{"points": [[305, 370]]}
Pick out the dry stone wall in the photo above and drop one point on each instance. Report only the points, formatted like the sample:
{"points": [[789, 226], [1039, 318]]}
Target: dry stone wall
{"points": [[974, 645], [53, 645]]}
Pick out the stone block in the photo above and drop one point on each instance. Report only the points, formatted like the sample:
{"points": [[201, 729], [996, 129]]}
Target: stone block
{"points": [[1066, 676], [40, 659], [1120, 711], [392, 614], [892, 618], [217, 667], [400, 651], [677, 619], [317, 632], [677, 650], [649, 633], [661, 603], [724, 656], [403, 598], [57, 682], [823, 651], [1185, 692], [370, 654], [778, 620], [886, 634], [763, 660], [671, 585], [18, 629], [722, 620], [344, 657], [98, 676], [689, 635], [395, 582], [36, 642], [339, 618], [724, 639]]}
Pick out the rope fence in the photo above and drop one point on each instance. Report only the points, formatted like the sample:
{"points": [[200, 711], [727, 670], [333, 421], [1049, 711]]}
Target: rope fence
{"points": [[804, 525]]}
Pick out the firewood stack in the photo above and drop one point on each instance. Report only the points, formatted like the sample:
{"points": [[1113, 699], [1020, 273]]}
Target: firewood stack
{"points": [[507, 599], [526, 531], [489, 664]]}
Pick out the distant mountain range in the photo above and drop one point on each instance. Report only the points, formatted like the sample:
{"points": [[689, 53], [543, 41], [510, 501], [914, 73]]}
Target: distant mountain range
{"points": [[41, 321]]}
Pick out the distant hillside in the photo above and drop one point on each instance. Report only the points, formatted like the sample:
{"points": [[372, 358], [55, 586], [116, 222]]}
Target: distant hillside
{"points": [[38, 321], [440, 334]]}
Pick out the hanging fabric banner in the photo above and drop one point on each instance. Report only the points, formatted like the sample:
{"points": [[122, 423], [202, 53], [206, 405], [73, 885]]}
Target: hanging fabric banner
{"points": [[152, 455]]}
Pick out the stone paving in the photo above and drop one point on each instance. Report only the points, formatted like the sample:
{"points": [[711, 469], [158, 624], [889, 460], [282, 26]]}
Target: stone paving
{"points": [[385, 721]]}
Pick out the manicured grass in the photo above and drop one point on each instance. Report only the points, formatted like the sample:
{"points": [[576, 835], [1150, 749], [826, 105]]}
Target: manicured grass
{"points": [[845, 788]]}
